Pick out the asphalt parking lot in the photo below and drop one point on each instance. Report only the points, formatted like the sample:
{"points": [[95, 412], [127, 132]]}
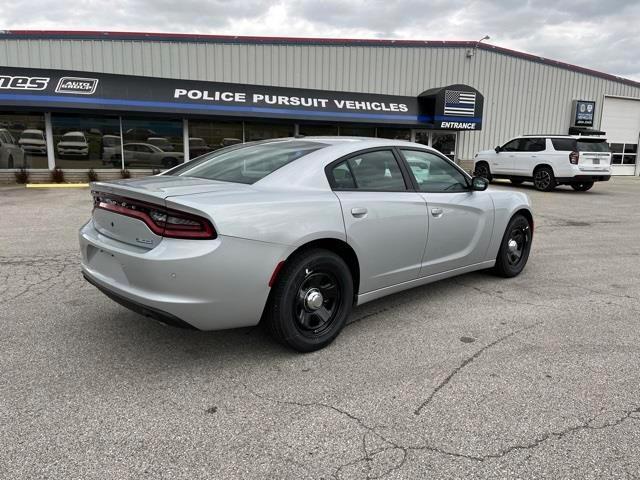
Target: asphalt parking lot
{"points": [[473, 377]]}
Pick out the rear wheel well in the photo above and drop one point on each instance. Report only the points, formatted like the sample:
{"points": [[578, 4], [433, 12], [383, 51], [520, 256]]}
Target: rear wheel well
{"points": [[341, 248], [542, 165]]}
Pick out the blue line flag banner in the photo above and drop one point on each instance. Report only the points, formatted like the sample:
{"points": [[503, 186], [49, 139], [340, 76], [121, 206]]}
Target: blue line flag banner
{"points": [[459, 103]]}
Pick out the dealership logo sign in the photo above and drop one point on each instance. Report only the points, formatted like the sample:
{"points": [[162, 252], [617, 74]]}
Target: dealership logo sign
{"points": [[23, 83], [77, 85]]}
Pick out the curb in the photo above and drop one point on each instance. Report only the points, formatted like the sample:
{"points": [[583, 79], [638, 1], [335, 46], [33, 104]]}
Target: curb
{"points": [[57, 185]]}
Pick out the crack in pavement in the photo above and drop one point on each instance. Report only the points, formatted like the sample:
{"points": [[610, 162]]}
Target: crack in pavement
{"points": [[467, 361]]}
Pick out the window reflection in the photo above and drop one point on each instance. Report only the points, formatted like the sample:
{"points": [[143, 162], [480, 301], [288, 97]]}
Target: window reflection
{"points": [[206, 136], [354, 131], [394, 133], [22, 141], [264, 131], [151, 143], [86, 142], [317, 130]]}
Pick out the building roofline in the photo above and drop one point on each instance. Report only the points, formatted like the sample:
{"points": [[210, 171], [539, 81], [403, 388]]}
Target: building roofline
{"points": [[363, 42]]}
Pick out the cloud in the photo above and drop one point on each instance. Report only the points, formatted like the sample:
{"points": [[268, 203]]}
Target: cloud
{"points": [[593, 34]]}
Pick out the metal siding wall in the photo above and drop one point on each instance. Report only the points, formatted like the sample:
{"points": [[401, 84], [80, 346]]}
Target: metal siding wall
{"points": [[520, 96]]}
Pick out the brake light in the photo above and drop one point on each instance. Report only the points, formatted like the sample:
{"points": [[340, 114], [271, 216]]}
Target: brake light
{"points": [[574, 157], [165, 222]]}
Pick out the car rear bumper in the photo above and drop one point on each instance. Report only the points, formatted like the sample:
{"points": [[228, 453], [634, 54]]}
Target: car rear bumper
{"points": [[584, 178], [139, 308], [207, 284]]}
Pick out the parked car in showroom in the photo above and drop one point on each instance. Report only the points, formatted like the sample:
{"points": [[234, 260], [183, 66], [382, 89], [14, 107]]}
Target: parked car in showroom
{"points": [[32, 142], [73, 144], [147, 155], [548, 161], [162, 143], [198, 146], [11, 155], [296, 232], [110, 149]]}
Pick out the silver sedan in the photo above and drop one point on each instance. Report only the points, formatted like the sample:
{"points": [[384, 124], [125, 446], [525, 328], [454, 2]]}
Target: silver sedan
{"points": [[295, 232]]}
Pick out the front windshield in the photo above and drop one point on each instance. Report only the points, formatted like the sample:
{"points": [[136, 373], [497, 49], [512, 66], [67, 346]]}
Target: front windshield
{"points": [[36, 136], [246, 163], [73, 138]]}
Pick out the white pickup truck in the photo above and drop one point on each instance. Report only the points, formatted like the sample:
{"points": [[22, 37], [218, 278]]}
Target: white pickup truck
{"points": [[548, 161]]}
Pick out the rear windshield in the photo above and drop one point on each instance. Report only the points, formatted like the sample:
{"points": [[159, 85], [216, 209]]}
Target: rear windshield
{"points": [[582, 145], [593, 146], [246, 163]]}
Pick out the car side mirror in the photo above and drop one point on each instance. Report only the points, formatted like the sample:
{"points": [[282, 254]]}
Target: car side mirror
{"points": [[479, 184], [497, 149]]}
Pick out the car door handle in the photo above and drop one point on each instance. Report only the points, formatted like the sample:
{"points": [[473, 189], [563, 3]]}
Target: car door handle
{"points": [[534, 156], [437, 212], [358, 211]]}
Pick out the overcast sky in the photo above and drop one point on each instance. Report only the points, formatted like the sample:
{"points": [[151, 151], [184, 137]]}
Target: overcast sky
{"points": [[598, 34]]}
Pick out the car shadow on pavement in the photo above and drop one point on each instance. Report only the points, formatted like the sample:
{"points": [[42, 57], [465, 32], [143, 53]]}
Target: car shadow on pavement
{"points": [[123, 333]]}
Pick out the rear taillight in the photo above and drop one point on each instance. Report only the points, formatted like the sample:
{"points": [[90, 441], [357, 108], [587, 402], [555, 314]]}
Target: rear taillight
{"points": [[574, 157], [162, 221]]}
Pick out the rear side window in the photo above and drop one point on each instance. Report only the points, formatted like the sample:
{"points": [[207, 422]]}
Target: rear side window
{"points": [[372, 171], [564, 144], [248, 163], [533, 144]]}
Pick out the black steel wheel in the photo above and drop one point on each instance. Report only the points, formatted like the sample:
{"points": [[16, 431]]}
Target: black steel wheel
{"points": [[515, 247], [582, 187], [544, 179], [311, 300], [482, 170]]}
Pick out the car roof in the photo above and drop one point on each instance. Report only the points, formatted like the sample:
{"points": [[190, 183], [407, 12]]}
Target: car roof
{"points": [[553, 135], [32, 130], [74, 133]]}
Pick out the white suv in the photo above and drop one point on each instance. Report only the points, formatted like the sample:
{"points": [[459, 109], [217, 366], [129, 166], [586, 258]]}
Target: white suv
{"points": [[548, 161]]}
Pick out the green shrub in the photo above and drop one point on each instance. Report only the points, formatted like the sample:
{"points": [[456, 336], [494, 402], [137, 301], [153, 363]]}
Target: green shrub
{"points": [[22, 175], [57, 175]]}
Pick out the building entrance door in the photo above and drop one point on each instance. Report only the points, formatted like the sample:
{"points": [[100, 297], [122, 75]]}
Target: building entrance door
{"points": [[443, 141]]}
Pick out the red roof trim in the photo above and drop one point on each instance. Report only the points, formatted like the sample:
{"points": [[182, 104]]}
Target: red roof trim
{"points": [[190, 37]]}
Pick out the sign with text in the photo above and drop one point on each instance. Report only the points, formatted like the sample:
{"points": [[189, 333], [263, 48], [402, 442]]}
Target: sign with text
{"points": [[459, 108], [584, 111]]}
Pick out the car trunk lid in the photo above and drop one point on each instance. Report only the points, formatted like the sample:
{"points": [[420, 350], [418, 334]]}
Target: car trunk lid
{"points": [[122, 207]]}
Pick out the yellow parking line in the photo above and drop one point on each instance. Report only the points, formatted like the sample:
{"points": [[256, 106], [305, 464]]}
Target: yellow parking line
{"points": [[57, 185]]}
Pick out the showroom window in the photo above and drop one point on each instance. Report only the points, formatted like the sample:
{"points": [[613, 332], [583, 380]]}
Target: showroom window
{"points": [[264, 131], [313, 130], [206, 136], [86, 141], [353, 131], [394, 133], [624, 153], [22, 141], [152, 143]]}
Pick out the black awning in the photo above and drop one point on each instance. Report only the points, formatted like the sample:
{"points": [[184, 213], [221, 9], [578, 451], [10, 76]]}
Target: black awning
{"points": [[454, 107]]}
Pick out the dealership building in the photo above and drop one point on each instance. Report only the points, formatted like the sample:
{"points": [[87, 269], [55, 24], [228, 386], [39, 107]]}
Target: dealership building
{"points": [[110, 101]]}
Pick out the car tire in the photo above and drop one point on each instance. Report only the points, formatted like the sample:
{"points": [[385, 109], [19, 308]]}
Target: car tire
{"points": [[515, 247], [582, 187], [296, 316], [482, 170], [544, 179], [516, 181]]}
